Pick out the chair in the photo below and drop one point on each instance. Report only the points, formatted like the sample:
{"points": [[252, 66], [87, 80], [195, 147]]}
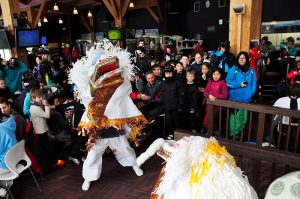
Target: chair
{"points": [[12, 160]]}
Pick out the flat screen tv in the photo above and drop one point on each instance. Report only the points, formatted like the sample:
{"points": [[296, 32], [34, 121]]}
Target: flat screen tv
{"points": [[27, 37], [114, 34], [4, 41], [43, 40]]}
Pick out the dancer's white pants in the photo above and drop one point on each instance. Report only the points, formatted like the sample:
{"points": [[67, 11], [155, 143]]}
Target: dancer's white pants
{"points": [[125, 155]]}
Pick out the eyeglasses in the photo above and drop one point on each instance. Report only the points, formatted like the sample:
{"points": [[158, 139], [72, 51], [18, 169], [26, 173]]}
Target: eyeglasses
{"points": [[242, 58]]}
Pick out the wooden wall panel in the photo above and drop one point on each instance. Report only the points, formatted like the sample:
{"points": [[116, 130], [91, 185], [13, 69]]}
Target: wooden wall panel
{"points": [[256, 19]]}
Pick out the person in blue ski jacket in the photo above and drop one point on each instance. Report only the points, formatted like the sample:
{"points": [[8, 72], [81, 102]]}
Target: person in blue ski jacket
{"points": [[223, 58], [12, 73], [241, 83], [7, 141]]}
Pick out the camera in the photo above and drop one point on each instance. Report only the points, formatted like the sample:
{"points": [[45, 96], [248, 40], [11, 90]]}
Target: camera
{"points": [[239, 9], [245, 82]]}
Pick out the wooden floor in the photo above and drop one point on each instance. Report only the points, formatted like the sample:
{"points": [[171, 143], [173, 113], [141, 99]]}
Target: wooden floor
{"points": [[116, 182]]}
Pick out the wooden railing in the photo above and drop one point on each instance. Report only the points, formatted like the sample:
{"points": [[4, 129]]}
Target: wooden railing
{"points": [[262, 125]]}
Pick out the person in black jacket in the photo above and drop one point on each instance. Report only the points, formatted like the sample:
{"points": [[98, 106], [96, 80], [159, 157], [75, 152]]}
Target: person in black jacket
{"points": [[223, 58], [172, 97], [190, 101], [142, 61], [180, 75], [202, 82]]}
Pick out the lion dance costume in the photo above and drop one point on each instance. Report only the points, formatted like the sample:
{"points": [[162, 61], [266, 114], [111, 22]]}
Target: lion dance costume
{"points": [[197, 167], [102, 80]]}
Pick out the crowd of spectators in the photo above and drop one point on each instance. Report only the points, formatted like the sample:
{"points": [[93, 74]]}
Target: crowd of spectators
{"points": [[37, 102]]}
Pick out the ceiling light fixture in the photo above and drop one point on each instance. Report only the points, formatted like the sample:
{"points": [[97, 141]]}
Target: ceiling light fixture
{"points": [[55, 7], [45, 20], [75, 12], [131, 5], [39, 23], [60, 21], [90, 14]]}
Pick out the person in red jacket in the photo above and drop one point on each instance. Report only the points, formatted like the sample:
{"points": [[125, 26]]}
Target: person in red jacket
{"points": [[254, 57], [199, 47], [294, 73], [75, 54], [215, 89]]}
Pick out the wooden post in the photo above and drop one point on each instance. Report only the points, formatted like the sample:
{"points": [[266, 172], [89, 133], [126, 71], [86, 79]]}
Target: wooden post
{"points": [[211, 121], [8, 16], [261, 129], [250, 23], [8, 9]]}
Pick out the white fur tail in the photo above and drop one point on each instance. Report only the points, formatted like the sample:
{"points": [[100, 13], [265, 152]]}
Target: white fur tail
{"points": [[152, 149]]}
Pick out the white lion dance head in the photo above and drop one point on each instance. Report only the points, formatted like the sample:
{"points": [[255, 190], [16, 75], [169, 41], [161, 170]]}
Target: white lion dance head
{"points": [[198, 168], [102, 80]]}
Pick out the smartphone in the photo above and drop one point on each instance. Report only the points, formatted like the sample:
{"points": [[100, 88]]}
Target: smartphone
{"points": [[245, 82]]}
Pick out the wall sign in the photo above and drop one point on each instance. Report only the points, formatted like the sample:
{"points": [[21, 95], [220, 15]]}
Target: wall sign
{"points": [[211, 29], [265, 29], [280, 27], [197, 6]]}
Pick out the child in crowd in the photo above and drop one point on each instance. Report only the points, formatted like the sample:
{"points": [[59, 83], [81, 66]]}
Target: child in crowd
{"points": [[40, 111], [215, 89], [180, 73], [205, 57], [202, 82], [153, 62], [157, 72], [190, 101], [36, 69], [172, 97], [5, 91], [169, 54], [138, 82]]}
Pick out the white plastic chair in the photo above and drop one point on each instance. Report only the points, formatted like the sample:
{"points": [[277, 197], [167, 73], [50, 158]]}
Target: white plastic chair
{"points": [[12, 160]]}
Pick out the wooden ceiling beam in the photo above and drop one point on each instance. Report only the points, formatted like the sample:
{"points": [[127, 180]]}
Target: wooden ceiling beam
{"points": [[40, 14], [118, 7], [111, 9], [88, 25], [152, 14], [85, 23], [159, 11], [33, 5], [125, 8], [30, 16], [16, 6]]}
